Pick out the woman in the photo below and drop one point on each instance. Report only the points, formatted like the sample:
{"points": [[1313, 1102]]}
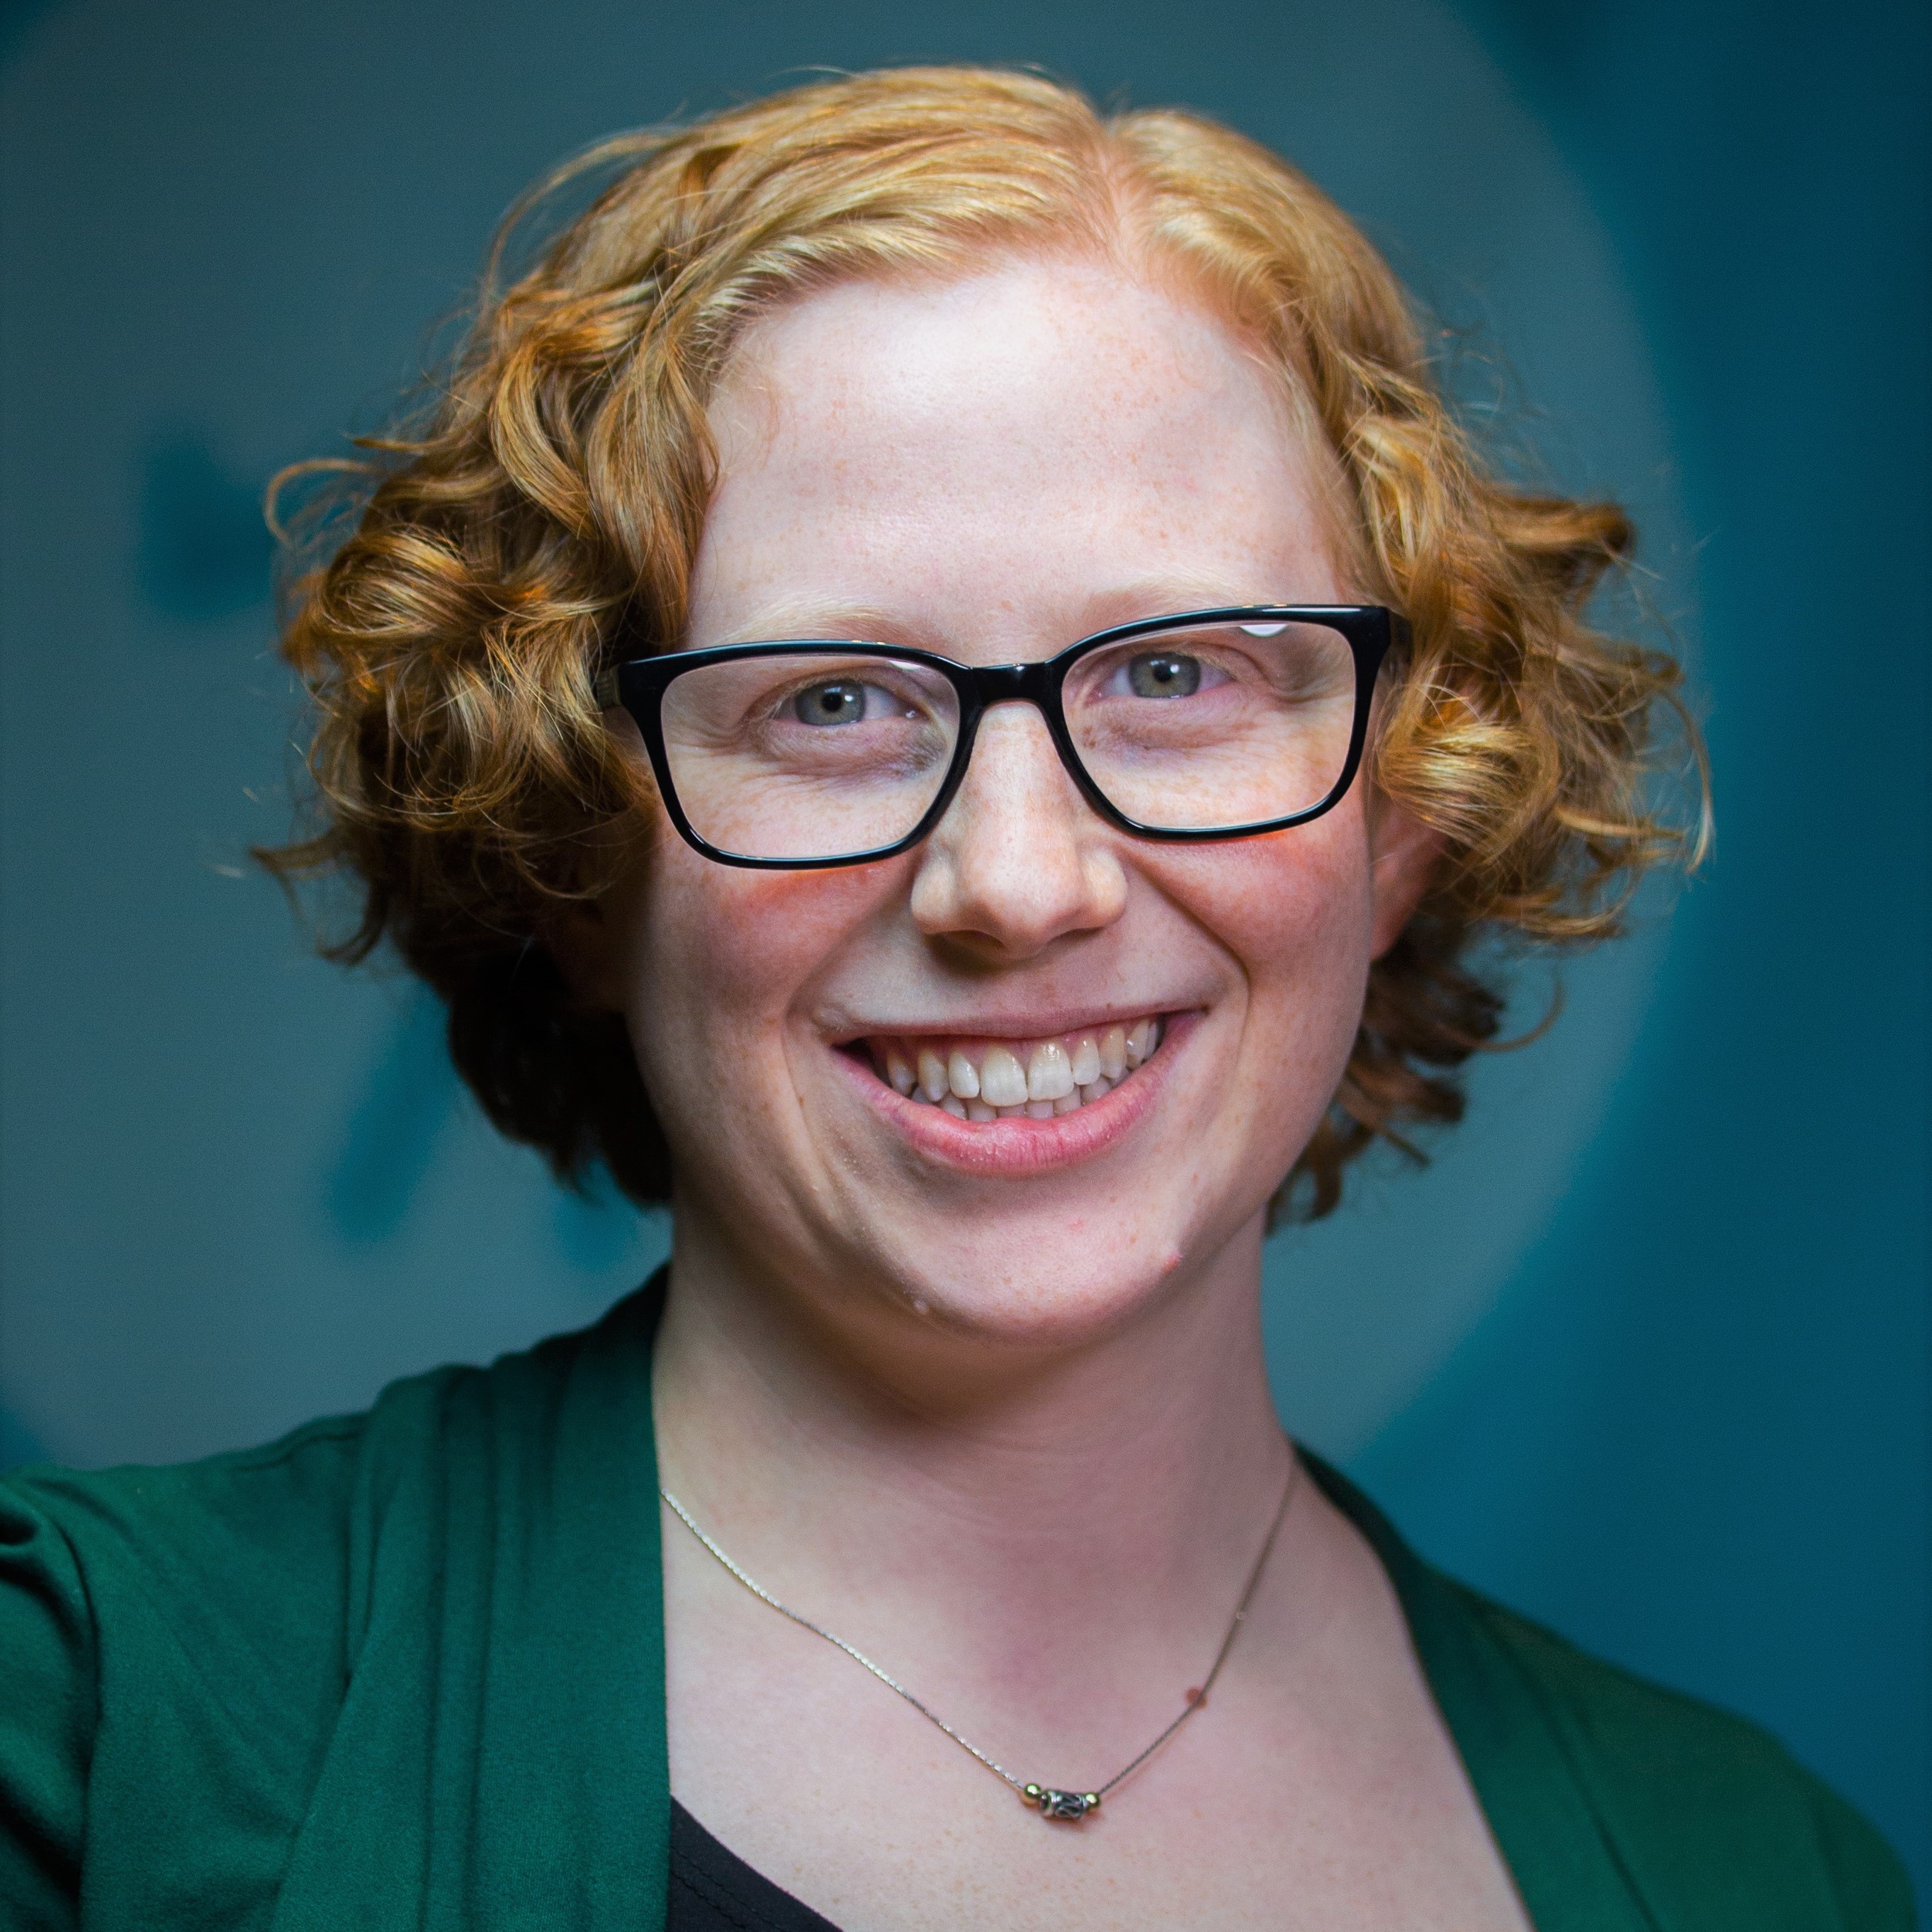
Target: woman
{"points": [[939, 690]]}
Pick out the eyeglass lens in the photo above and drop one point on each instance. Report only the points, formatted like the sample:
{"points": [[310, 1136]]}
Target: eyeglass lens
{"points": [[818, 755]]}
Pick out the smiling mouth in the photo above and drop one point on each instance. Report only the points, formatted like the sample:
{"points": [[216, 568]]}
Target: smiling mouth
{"points": [[983, 1080]]}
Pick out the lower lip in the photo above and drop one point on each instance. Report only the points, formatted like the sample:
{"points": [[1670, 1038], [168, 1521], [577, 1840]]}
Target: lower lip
{"points": [[1025, 1146]]}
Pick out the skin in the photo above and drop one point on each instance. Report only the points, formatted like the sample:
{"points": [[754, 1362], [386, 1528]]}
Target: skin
{"points": [[1009, 1431]]}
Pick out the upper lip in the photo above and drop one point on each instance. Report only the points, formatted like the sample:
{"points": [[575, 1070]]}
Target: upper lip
{"points": [[1038, 1023]]}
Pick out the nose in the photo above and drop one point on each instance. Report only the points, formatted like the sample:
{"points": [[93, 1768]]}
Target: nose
{"points": [[1019, 860]]}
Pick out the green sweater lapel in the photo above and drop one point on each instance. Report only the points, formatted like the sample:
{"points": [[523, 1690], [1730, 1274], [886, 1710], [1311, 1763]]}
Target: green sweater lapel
{"points": [[499, 1762], [1566, 1870]]}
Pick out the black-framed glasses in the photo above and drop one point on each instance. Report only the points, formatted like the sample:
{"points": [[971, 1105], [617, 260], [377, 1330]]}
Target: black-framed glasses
{"points": [[811, 752]]}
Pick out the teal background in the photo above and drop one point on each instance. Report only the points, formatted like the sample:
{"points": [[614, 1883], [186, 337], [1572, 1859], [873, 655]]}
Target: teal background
{"points": [[1645, 1352]]}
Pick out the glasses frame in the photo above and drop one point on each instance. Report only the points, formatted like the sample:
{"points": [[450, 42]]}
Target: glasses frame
{"points": [[638, 685]]}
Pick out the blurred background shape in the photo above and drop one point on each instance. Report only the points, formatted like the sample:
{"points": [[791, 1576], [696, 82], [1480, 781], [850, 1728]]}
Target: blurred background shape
{"points": [[1643, 1351], [205, 549]]}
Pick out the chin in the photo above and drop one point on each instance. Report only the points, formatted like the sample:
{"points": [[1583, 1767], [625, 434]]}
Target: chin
{"points": [[1023, 1291]]}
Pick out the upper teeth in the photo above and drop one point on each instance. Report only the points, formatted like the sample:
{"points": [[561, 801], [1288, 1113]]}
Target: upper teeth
{"points": [[981, 1079]]}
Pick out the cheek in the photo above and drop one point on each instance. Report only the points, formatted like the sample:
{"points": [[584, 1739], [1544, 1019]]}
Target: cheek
{"points": [[1297, 913], [1297, 908], [718, 957]]}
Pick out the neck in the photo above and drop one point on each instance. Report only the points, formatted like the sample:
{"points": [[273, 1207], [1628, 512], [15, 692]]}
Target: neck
{"points": [[975, 1500]]}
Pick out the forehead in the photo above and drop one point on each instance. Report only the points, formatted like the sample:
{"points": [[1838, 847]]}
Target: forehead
{"points": [[1012, 447]]}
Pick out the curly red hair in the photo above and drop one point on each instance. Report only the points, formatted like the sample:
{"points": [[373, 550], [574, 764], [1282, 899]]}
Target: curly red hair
{"points": [[553, 493]]}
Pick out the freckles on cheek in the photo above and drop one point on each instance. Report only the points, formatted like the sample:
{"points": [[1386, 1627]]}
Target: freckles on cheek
{"points": [[718, 956], [1302, 911], [724, 954], [1298, 921], [735, 939]]}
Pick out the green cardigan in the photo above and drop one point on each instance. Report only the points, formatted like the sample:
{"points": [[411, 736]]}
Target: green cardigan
{"points": [[405, 1669]]}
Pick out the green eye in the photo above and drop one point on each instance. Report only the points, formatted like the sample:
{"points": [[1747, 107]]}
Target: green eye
{"points": [[1164, 674], [840, 702]]}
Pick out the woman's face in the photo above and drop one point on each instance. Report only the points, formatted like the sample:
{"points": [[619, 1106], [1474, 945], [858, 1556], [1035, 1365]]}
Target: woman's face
{"points": [[992, 468]]}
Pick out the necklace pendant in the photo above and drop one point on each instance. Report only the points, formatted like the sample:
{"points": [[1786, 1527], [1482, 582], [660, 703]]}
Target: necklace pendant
{"points": [[1072, 1805]]}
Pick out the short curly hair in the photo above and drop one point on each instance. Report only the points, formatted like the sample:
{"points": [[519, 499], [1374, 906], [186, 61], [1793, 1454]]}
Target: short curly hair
{"points": [[547, 500]]}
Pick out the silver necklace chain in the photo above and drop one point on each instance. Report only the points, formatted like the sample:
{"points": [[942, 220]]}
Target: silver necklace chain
{"points": [[1052, 1802]]}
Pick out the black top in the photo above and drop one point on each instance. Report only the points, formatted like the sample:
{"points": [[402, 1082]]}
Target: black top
{"points": [[713, 1890]]}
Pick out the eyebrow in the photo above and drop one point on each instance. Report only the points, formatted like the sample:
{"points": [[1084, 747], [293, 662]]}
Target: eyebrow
{"points": [[785, 621], [1166, 596]]}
